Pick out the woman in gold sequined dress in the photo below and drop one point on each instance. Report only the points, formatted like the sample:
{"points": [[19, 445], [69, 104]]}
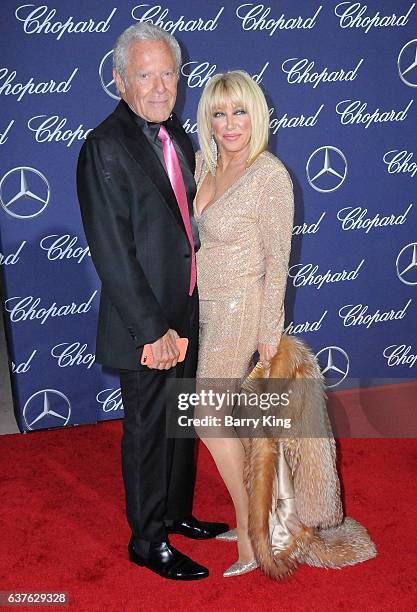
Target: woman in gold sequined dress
{"points": [[244, 210]]}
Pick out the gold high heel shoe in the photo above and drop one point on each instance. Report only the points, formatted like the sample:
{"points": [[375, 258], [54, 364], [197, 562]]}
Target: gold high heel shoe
{"points": [[238, 568], [228, 536]]}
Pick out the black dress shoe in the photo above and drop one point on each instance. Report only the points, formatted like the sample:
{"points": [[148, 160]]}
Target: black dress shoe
{"points": [[197, 530], [165, 560]]}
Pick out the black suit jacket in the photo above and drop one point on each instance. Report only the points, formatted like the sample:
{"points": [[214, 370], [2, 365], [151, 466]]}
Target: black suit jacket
{"points": [[136, 235]]}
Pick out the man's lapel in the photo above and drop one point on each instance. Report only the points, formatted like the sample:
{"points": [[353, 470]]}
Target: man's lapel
{"points": [[139, 148]]}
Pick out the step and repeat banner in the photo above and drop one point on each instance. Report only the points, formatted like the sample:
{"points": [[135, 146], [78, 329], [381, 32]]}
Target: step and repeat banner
{"points": [[341, 84]]}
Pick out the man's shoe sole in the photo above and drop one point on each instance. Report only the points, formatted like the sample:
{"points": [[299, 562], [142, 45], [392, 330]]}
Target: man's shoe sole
{"points": [[192, 537]]}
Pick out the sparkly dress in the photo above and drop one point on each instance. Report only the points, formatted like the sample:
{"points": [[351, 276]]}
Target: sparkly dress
{"points": [[242, 266]]}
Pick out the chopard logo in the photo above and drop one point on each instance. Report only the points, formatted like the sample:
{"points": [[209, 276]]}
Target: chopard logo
{"points": [[72, 354], [110, 399], [313, 228], [291, 122], [352, 15], [407, 63], [399, 161], [50, 129], [302, 328], [12, 258], [63, 247], [189, 127], [156, 15], [256, 17], [8, 87], [199, 73], [4, 135], [38, 20], [305, 274], [22, 368], [357, 315], [24, 309], [354, 113], [275, 123], [399, 354], [355, 218], [300, 71]]}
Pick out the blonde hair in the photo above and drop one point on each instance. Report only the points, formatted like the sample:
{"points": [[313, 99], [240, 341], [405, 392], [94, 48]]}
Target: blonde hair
{"points": [[240, 89]]}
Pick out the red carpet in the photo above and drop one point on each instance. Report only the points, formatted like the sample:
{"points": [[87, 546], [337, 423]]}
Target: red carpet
{"points": [[63, 529]]}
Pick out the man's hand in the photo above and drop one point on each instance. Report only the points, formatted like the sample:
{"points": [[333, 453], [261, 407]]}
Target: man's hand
{"points": [[165, 351], [266, 353]]}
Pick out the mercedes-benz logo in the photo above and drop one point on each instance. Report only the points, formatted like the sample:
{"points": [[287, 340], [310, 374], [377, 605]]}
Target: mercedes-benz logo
{"points": [[407, 63], [406, 264], [24, 192], [47, 408], [326, 172], [105, 72], [336, 363]]}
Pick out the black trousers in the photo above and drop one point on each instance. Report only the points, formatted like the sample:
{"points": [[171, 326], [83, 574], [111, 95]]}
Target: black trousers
{"points": [[158, 472]]}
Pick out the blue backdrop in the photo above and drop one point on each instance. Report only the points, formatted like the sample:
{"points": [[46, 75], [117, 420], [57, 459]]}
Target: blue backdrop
{"points": [[340, 79]]}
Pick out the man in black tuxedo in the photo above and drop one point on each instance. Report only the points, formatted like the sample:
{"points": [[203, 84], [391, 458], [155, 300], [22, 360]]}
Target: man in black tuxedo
{"points": [[142, 244]]}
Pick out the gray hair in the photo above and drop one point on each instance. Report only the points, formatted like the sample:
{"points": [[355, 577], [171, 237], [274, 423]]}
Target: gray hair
{"points": [[142, 31]]}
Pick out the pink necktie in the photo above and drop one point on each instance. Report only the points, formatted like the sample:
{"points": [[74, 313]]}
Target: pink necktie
{"points": [[177, 182]]}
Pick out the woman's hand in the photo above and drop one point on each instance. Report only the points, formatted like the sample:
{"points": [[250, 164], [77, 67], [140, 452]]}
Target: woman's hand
{"points": [[266, 353]]}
